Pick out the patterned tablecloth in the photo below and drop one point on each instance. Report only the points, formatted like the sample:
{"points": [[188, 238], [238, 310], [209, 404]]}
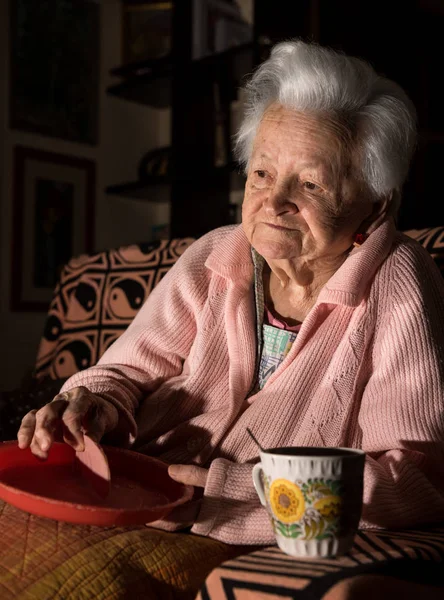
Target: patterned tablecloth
{"points": [[270, 574]]}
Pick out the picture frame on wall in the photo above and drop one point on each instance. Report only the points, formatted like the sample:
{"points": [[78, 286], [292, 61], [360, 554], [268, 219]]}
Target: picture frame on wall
{"points": [[54, 68], [53, 220]]}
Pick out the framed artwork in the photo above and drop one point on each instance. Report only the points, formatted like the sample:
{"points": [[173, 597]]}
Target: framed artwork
{"points": [[54, 68], [53, 220], [146, 30]]}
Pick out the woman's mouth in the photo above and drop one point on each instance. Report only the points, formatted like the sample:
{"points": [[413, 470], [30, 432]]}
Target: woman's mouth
{"points": [[280, 227]]}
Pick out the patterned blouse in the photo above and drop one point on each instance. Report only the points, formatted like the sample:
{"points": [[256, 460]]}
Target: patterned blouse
{"points": [[275, 338]]}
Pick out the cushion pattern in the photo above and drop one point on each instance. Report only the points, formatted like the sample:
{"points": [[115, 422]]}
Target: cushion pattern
{"points": [[96, 299], [411, 555], [432, 239]]}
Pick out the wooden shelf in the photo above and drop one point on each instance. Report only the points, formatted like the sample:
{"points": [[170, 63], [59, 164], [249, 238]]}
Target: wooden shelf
{"points": [[239, 59], [139, 190], [142, 190], [149, 82], [152, 88]]}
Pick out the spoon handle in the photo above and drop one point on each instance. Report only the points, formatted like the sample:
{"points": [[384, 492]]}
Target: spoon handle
{"points": [[250, 433]]}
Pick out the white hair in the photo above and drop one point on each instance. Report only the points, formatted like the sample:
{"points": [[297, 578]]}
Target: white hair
{"points": [[314, 79]]}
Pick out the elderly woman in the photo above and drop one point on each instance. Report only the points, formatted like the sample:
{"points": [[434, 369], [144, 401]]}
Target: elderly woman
{"points": [[314, 323]]}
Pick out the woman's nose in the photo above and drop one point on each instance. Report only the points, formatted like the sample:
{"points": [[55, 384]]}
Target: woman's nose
{"points": [[279, 202]]}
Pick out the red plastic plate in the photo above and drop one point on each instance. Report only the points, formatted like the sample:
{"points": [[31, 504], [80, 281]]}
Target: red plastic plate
{"points": [[141, 490]]}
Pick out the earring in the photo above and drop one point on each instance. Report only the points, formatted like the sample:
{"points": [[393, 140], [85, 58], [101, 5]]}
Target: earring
{"points": [[359, 239]]}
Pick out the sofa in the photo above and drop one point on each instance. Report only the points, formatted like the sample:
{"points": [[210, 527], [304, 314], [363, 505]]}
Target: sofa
{"points": [[96, 298]]}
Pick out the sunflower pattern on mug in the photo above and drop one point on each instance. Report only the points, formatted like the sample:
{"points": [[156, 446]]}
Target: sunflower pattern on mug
{"points": [[309, 510]]}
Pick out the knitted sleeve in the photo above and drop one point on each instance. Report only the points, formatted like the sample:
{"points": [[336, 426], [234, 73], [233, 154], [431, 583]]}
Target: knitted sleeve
{"points": [[402, 409], [155, 345], [230, 509]]}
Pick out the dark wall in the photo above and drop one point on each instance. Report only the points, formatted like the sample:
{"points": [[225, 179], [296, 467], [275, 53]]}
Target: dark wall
{"points": [[402, 40]]}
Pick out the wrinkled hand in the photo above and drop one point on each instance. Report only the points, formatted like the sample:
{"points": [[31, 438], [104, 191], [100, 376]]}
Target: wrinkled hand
{"points": [[186, 514], [189, 475], [69, 415]]}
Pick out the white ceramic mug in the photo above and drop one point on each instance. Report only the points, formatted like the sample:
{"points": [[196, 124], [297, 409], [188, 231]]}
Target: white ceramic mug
{"points": [[313, 497]]}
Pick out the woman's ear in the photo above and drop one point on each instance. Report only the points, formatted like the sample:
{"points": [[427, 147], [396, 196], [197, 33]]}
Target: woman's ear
{"points": [[382, 209]]}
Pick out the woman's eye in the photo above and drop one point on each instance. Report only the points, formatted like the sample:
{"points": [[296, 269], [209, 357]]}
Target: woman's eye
{"points": [[309, 185], [261, 179]]}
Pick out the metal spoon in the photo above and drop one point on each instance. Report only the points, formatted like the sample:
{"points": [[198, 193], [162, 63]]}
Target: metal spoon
{"points": [[255, 440]]}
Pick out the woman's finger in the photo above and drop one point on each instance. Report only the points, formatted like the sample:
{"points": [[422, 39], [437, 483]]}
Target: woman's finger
{"points": [[188, 474], [80, 402], [101, 417], [95, 429], [94, 423], [37, 450], [46, 423], [26, 431], [47, 419], [72, 427]]}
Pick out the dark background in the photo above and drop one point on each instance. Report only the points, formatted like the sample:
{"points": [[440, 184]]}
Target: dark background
{"points": [[404, 41]]}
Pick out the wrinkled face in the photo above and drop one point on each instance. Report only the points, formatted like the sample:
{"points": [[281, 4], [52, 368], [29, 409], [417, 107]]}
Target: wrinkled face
{"points": [[301, 199]]}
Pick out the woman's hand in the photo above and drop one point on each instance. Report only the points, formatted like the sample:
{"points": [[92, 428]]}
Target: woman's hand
{"points": [[189, 475], [69, 415], [186, 514]]}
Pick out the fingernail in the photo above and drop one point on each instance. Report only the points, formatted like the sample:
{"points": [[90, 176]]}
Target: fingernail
{"points": [[172, 470]]}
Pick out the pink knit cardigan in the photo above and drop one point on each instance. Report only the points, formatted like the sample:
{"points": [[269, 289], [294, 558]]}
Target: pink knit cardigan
{"points": [[366, 371]]}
